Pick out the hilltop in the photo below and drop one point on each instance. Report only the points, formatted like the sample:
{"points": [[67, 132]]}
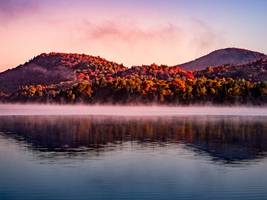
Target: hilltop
{"points": [[53, 68], [228, 56]]}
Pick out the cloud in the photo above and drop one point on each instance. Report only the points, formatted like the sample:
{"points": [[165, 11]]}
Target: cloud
{"points": [[129, 33], [197, 34], [158, 42]]}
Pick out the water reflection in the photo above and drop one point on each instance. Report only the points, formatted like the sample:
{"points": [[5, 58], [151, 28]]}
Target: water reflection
{"points": [[227, 139]]}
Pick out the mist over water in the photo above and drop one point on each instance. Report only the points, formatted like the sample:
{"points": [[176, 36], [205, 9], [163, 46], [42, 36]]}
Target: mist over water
{"points": [[96, 110]]}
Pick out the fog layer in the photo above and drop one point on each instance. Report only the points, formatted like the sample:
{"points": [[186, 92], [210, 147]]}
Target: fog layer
{"points": [[20, 109]]}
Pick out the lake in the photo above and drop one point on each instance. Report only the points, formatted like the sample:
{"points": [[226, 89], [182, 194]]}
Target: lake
{"points": [[138, 153]]}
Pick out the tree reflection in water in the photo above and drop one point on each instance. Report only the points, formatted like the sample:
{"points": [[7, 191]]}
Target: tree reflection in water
{"points": [[228, 139]]}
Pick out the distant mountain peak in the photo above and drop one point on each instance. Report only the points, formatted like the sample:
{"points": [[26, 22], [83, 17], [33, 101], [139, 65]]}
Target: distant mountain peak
{"points": [[231, 56]]}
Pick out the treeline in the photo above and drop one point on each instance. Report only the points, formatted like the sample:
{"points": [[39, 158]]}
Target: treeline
{"points": [[134, 89], [254, 71]]}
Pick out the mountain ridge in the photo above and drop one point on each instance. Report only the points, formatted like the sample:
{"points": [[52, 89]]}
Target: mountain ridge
{"points": [[226, 56], [56, 68]]}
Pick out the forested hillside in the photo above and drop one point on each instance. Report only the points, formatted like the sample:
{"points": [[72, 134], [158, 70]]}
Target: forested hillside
{"points": [[79, 78]]}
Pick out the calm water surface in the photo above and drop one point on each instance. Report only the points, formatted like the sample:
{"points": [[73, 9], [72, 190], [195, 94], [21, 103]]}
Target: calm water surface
{"points": [[104, 157]]}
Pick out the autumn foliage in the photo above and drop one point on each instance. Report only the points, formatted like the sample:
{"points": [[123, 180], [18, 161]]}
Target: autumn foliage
{"points": [[134, 89], [97, 80]]}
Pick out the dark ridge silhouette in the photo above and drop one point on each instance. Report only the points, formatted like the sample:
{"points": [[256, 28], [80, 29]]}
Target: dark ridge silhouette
{"points": [[231, 56]]}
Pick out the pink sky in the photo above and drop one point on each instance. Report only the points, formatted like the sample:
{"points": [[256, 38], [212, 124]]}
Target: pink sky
{"points": [[128, 33]]}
